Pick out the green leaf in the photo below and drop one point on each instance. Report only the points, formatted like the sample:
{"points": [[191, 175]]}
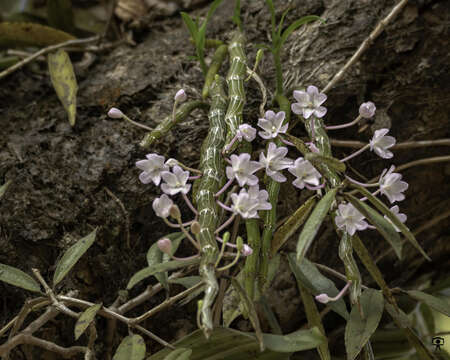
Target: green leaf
{"points": [[383, 226], [4, 187], [237, 14], [313, 223], [16, 277], [85, 319], [295, 25], [131, 348], [72, 255], [179, 354], [314, 319], [191, 25], [14, 34], [250, 310], [156, 256], [297, 341], [228, 344], [292, 224], [385, 211], [307, 274], [428, 319], [64, 82], [359, 330], [152, 270], [332, 162], [432, 301]]}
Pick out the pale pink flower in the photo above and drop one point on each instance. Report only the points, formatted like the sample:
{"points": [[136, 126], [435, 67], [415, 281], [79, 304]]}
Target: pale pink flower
{"points": [[272, 124], [309, 103], [380, 143], [152, 168], [350, 218], [175, 181]]}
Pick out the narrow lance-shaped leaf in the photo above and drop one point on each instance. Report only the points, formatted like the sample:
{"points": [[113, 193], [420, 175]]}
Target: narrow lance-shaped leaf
{"points": [[131, 348], [292, 224], [295, 25], [359, 330], [72, 255], [395, 220], [64, 82], [383, 226], [432, 301], [16, 277], [86, 319], [152, 270], [251, 311], [314, 319], [307, 274], [297, 341], [313, 223], [333, 163]]}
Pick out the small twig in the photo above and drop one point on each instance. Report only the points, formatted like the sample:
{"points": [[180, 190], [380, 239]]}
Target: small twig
{"points": [[125, 214], [263, 89], [29, 339], [46, 50], [165, 304], [109, 314], [61, 307], [398, 146], [335, 273], [366, 43]]}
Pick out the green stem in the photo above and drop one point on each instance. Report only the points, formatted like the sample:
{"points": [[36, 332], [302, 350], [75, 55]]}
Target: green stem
{"points": [[213, 168], [168, 123], [235, 81], [216, 63], [279, 72], [270, 216]]}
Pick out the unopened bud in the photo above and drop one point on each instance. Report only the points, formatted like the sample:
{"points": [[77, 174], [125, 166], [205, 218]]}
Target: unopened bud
{"points": [[180, 96], [226, 237], [171, 162], [323, 298], [367, 109], [239, 243], [165, 245], [195, 228], [175, 212], [246, 250], [115, 113]]}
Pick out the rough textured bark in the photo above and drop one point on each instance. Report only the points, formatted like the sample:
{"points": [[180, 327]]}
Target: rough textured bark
{"points": [[59, 173]]}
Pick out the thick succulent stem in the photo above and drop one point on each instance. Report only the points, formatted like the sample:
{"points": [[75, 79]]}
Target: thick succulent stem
{"points": [[168, 123], [213, 168], [235, 81]]}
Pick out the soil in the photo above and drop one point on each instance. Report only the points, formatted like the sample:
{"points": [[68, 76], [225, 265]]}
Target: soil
{"points": [[59, 174]]}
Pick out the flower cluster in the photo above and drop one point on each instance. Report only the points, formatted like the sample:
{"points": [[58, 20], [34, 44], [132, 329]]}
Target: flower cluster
{"points": [[250, 199]]}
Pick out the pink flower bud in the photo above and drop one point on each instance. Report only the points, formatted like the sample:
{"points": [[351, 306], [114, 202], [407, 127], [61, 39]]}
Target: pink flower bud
{"points": [[165, 245], [115, 113], [367, 109], [246, 250], [180, 96], [323, 298]]}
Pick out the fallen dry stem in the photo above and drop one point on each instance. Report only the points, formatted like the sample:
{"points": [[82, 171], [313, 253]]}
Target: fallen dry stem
{"points": [[366, 43], [46, 50]]}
